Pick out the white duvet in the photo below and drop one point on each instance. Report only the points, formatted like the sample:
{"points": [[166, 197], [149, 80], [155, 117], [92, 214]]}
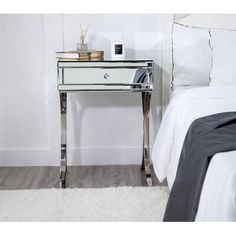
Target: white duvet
{"points": [[218, 197]]}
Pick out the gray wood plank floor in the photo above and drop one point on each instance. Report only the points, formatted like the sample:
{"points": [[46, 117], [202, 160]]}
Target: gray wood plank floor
{"points": [[77, 177]]}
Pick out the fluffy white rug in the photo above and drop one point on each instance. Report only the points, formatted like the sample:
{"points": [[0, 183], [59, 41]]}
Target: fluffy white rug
{"points": [[101, 204]]}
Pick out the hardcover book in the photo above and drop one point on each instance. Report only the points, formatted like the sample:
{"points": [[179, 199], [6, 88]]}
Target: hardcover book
{"points": [[81, 55]]}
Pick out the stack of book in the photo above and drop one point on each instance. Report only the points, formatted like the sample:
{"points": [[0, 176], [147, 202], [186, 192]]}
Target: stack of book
{"points": [[81, 55]]}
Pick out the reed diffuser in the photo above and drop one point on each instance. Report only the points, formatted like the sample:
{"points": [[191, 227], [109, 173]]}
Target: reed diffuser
{"points": [[82, 46]]}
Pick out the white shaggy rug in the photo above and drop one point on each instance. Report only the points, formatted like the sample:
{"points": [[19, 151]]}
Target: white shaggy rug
{"points": [[101, 204]]}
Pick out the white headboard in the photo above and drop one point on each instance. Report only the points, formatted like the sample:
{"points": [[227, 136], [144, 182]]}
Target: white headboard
{"points": [[219, 21]]}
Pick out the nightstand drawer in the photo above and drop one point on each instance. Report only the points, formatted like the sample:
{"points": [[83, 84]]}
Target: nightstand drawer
{"points": [[105, 75], [85, 76]]}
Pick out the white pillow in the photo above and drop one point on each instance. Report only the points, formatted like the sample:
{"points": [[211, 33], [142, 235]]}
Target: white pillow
{"points": [[223, 44], [191, 56], [209, 21]]}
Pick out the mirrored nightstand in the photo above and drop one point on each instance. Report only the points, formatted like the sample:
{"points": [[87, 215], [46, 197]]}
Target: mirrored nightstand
{"points": [[106, 76]]}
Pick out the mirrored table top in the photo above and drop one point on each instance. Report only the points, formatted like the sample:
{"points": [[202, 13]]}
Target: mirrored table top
{"points": [[107, 59]]}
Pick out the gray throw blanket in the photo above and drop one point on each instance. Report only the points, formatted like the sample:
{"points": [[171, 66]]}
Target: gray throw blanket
{"points": [[206, 136]]}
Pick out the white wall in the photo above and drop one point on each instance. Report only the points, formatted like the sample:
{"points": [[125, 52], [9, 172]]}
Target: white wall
{"points": [[102, 128]]}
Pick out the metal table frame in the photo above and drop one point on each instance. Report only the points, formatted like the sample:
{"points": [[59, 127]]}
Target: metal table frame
{"points": [[144, 88]]}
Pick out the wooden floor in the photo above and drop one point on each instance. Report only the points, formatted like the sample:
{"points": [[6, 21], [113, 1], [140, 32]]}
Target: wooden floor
{"points": [[77, 177]]}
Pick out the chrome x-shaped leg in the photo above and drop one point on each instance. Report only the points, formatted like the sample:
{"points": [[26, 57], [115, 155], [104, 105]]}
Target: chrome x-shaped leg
{"points": [[63, 165], [146, 102], [146, 99]]}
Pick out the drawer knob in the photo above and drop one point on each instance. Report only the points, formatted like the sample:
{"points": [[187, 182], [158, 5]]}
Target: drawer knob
{"points": [[106, 76]]}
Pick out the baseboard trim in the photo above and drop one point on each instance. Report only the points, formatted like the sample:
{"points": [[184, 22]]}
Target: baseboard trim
{"points": [[29, 157], [105, 156], [76, 156]]}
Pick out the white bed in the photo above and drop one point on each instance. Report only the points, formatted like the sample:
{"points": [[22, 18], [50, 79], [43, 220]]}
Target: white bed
{"points": [[218, 197]]}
